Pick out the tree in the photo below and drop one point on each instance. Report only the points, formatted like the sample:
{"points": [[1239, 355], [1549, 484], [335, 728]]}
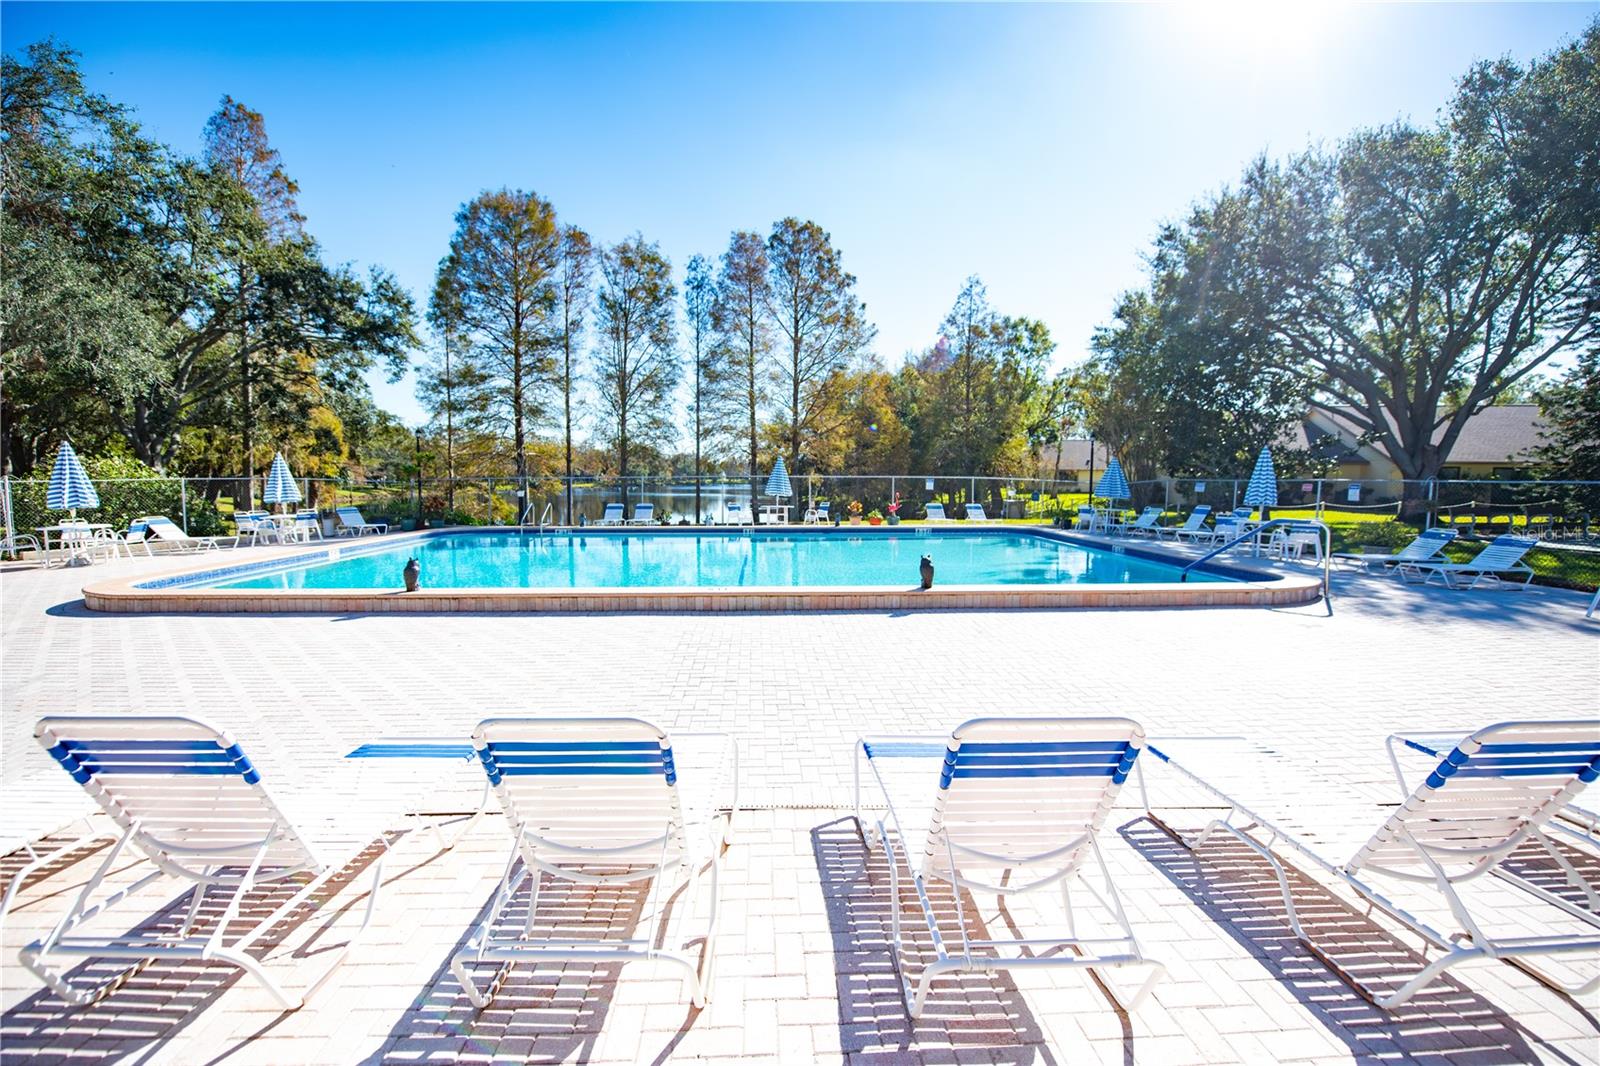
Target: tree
{"points": [[503, 261], [1418, 273], [574, 273], [636, 364], [822, 328], [119, 291], [1571, 449], [709, 363], [449, 385], [744, 338], [236, 145]]}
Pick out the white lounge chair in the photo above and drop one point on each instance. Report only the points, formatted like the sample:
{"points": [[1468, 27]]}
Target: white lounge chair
{"points": [[187, 798], [643, 514], [819, 515], [1017, 808], [1502, 556], [1193, 528], [614, 515], [351, 523], [597, 801], [935, 511], [975, 513], [166, 533], [739, 513], [1495, 791], [1428, 543], [1145, 523]]}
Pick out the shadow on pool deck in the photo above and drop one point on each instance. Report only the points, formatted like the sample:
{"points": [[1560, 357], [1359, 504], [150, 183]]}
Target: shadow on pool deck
{"points": [[966, 1014], [1238, 891], [155, 1002]]}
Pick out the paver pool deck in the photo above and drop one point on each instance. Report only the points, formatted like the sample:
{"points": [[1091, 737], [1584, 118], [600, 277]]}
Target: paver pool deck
{"points": [[803, 963]]}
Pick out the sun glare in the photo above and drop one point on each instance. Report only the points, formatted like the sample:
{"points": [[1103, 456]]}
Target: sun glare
{"points": [[1259, 26]]}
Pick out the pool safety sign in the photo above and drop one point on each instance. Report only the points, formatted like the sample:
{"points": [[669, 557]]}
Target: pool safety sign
{"points": [[1353, 494]]}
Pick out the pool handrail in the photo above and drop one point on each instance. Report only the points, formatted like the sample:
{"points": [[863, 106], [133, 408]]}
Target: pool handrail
{"points": [[1327, 550]]}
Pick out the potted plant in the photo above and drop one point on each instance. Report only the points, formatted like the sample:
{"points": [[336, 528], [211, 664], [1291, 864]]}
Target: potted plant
{"points": [[875, 518], [894, 511], [855, 512]]}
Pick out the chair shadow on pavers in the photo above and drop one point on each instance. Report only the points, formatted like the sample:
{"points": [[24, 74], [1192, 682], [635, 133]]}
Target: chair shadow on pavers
{"points": [[544, 1011], [1238, 891], [972, 1012], [154, 1001]]}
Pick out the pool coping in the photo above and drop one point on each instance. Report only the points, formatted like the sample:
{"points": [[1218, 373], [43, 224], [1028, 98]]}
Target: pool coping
{"points": [[167, 592]]}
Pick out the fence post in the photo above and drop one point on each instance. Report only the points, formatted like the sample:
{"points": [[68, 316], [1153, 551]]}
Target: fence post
{"points": [[183, 501], [488, 518]]}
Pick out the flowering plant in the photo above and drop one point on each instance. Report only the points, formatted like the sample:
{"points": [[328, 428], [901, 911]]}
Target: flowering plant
{"points": [[894, 508], [855, 506]]}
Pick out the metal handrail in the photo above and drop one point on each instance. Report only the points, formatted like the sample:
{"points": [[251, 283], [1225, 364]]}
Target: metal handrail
{"points": [[546, 516], [1327, 551]]}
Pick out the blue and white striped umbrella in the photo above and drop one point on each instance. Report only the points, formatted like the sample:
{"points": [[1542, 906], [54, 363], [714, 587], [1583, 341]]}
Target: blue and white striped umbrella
{"points": [[70, 487], [778, 483], [1263, 488], [1113, 484], [280, 483]]}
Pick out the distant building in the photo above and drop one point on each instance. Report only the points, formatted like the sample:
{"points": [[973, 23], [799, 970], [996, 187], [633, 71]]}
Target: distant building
{"points": [[1497, 442]]}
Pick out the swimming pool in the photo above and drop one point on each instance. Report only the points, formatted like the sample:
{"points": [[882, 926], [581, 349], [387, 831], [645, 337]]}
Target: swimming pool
{"points": [[710, 559], [698, 569]]}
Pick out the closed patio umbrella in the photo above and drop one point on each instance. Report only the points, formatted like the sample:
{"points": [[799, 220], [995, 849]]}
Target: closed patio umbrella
{"points": [[281, 487], [70, 487], [1262, 491], [1113, 484]]}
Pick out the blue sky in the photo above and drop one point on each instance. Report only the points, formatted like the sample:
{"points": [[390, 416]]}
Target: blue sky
{"points": [[1037, 146]]}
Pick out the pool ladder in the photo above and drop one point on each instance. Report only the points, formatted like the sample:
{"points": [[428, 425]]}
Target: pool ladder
{"points": [[547, 517]]}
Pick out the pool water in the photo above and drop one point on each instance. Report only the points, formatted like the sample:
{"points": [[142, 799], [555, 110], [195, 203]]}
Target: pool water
{"points": [[721, 560]]}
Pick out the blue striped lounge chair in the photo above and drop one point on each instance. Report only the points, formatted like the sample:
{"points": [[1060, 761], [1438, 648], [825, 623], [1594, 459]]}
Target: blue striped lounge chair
{"points": [[935, 511], [613, 516], [1428, 543], [643, 514], [976, 513], [1017, 809], [600, 801], [189, 803], [351, 523], [1193, 528], [1496, 564], [1494, 792]]}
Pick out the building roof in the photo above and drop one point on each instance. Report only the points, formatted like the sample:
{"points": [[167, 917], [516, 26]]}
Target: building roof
{"points": [[1509, 433]]}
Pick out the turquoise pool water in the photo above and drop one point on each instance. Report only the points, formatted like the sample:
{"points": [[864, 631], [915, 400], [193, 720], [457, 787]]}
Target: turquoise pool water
{"points": [[720, 560]]}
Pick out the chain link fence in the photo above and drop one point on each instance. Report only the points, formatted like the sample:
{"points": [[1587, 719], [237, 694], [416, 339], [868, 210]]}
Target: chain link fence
{"points": [[1562, 514]]}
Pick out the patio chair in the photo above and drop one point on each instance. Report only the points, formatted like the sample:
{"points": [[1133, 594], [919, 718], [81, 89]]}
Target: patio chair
{"points": [[613, 516], [186, 797], [643, 514], [935, 511], [14, 543], [1017, 807], [1193, 528], [308, 525], [818, 515], [1494, 565], [1087, 519], [596, 801], [1293, 540], [166, 533], [257, 525], [739, 513], [1428, 543], [351, 523], [1495, 790], [976, 513]]}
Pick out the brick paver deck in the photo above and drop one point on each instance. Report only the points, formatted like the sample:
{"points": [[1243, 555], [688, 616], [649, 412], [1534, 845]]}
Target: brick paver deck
{"points": [[803, 971]]}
